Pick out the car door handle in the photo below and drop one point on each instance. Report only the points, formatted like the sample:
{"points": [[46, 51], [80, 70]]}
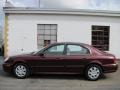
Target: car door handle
{"points": [[84, 58], [59, 58]]}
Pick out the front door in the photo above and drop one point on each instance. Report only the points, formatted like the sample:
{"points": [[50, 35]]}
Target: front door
{"points": [[52, 60]]}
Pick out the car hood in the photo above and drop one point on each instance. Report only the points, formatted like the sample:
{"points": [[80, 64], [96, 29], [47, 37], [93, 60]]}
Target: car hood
{"points": [[19, 57], [23, 55]]}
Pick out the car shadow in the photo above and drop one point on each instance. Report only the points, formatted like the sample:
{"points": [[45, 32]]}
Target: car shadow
{"points": [[62, 76], [57, 76], [51, 76]]}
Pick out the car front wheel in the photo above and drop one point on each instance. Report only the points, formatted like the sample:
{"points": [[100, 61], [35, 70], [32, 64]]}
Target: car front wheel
{"points": [[93, 72], [21, 71]]}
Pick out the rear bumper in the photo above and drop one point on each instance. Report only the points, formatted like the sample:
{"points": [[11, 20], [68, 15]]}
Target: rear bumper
{"points": [[110, 68], [7, 67]]}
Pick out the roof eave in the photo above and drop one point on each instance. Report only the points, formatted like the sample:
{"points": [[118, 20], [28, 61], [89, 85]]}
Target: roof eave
{"points": [[61, 12]]}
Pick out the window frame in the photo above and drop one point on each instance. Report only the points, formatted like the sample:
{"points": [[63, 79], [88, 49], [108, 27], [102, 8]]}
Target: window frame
{"points": [[52, 27], [103, 39]]}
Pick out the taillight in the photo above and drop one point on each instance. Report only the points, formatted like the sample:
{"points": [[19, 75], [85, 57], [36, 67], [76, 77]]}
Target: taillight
{"points": [[114, 60]]}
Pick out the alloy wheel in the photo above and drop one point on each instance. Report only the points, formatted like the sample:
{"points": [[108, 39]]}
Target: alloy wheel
{"points": [[93, 72], [21, 71]]}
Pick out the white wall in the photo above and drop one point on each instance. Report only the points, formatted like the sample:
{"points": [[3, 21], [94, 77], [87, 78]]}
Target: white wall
{"points": [[23, 30]]}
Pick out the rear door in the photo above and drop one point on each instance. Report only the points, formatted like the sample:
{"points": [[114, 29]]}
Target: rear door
{"points": [[76, 58]]}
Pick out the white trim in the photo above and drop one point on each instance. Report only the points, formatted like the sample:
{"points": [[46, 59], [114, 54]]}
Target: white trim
{"points": [[62, 12]]}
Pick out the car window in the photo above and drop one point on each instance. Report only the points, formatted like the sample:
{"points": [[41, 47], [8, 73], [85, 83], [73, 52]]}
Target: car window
{"points": [[76, 50], [55, 50]]}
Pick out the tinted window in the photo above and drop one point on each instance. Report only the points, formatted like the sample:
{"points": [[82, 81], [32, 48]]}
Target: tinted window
{"points": [[100, 37], [76, 50], [55, 50]]}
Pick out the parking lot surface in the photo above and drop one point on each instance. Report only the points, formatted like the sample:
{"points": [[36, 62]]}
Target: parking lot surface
{"points": [[58, 82]]}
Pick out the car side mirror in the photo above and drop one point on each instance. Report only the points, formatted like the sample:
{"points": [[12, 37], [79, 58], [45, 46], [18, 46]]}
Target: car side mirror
{"points": [[41, 54]]}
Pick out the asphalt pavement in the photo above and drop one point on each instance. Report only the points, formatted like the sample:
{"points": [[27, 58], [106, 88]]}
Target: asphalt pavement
{"points": [[58, 82]]}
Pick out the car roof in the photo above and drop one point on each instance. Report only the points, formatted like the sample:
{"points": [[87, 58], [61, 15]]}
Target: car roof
{"points": [[69, 43]]}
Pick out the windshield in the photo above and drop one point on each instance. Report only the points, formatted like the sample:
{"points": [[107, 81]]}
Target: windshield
{"points": [[36, 52]]}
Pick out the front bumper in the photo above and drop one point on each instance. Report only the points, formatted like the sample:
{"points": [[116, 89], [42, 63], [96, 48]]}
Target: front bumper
{"points": [[7, 67], [110, 68]]}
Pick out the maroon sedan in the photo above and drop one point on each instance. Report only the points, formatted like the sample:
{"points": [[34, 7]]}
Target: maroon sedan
{"points": [[65, 58]]}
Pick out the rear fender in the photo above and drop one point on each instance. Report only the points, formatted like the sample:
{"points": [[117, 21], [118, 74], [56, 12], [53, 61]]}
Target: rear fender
{"points": [[94, 62]]}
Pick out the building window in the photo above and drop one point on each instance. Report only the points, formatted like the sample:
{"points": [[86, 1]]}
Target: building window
{"points": [[100, 37], [46, 42], [46, 34]]}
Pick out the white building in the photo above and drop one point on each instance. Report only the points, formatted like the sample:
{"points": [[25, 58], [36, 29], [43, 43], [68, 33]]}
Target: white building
{"points": [[0, 39], [29, 29]]}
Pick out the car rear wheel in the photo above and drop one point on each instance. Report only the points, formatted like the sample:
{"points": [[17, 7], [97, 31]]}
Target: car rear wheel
{"points": [[21, 71], [93, 72]]}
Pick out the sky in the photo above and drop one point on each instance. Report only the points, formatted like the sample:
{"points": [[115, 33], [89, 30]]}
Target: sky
{"points": [[71, 4], [64, 4]]}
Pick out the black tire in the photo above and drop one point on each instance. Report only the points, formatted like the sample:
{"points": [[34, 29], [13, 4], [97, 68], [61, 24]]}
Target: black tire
{"points": [[93, 72], [21, 71]]}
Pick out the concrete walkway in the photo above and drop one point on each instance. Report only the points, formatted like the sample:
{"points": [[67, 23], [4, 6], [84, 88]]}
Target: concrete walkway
{"points": [[1, 62]]}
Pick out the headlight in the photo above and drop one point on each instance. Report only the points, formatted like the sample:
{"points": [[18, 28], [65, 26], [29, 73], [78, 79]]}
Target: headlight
{"points": [[6, 59]]}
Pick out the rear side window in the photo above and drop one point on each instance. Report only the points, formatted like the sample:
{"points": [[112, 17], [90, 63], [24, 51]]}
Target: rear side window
{"points": [[76, 50]]}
